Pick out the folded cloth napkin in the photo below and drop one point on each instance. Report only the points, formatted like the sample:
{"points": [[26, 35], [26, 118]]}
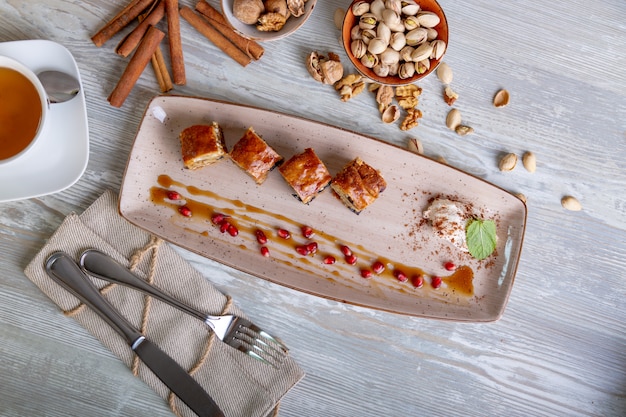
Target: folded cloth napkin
{"points": [[239, 384]]}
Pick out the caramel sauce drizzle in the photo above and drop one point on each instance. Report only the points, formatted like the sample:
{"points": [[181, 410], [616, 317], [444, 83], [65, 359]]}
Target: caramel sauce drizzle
{"points": [[242, 215]]}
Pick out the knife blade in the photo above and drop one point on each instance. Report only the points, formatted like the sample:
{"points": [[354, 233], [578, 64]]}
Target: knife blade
{"points": [[66, 272]]}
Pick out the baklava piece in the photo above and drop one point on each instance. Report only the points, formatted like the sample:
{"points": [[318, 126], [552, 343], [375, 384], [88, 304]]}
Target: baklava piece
{"points": [[202, 145], [358, 185], [306, 174], [255, 156]]}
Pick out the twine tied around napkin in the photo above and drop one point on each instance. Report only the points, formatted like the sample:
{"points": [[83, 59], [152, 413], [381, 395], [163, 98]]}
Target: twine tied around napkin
{"points": [[239, 384]]}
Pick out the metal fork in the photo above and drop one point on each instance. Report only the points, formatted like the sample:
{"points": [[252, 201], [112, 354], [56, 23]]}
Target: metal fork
{"points": [[235, 331]]}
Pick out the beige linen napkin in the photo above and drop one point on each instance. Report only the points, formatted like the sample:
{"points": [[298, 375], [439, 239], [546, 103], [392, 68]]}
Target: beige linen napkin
{"points": [[239, 384]]}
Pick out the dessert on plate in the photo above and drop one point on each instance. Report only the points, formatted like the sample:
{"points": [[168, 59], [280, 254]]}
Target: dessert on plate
{"points": [[358, 185], [202, 145], [252, 154], [306, 174]]}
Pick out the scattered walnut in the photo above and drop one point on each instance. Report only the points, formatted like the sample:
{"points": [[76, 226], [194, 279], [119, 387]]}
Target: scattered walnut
{"points": [[449, 95], [325, 70], [277, 6], [350, 86], [410, 121], [296, 7], [407, 96], [271, 22], [384, 97]]}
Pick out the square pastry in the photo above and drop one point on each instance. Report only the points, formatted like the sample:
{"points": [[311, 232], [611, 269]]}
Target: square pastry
{"points": [[255, 156], [202, 145], [358, 185], [306, 174]]}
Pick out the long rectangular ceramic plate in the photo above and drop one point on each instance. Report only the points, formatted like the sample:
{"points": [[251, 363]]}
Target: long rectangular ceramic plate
{"points": [[390, 231]]}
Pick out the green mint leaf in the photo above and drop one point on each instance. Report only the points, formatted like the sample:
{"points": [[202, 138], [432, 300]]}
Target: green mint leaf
{"points": [[480, 236]]}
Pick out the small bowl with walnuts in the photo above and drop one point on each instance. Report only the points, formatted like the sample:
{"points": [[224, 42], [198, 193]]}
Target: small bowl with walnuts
{"points": [[267, 20], [395, 42]]}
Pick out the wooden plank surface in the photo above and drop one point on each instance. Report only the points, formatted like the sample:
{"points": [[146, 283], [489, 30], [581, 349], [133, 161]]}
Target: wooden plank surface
{"points": [[559, 349]]}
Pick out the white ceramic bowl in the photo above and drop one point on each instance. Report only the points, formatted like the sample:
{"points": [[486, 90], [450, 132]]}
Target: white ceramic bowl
{"points": [[6, 62], [251, 32]]}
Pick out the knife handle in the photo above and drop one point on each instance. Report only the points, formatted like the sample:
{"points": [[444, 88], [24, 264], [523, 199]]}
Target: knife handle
{"points": [[62, 269]]}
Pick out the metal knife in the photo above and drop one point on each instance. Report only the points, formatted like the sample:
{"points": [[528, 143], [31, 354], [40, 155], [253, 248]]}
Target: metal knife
{"points": [[63, 270]]}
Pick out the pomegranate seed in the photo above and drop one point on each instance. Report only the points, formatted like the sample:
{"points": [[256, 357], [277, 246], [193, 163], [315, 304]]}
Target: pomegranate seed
{"points": [[232, 230], [302, 250], [378, 267], [351, 259], [224, 226], [366, 273], [450, 266], [346, 250], [418, 280], [260, 237], [185, 211], [173, 195], [329, 260], [400, 276], [307, 232], [217, 218], [284, 233], [265, 251], [312, 247], [436, 282]]}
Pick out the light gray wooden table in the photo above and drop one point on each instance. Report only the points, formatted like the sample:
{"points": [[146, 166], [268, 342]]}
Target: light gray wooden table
{"points": [[559, 349]]}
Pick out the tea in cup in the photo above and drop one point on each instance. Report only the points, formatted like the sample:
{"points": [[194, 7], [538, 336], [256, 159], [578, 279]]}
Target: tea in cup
{"points": [[23, 109]]}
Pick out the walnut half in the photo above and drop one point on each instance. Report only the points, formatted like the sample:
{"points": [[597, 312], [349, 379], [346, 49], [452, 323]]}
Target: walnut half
{"points": [[327, 70]]}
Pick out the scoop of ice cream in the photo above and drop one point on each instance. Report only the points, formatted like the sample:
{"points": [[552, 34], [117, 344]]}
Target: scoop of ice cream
{"points": [[448, 218]]}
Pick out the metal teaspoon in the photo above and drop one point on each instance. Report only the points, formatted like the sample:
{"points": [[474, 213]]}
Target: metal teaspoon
{"points": [[59, 86]]}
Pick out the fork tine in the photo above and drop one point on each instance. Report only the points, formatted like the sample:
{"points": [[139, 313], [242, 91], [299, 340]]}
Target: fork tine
{"points": [[259, 334]]}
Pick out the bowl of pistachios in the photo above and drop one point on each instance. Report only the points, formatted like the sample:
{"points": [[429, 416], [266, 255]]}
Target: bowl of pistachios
{"points": [[395, 42]]}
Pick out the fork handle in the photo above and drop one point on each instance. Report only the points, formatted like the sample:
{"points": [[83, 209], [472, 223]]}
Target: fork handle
{"points": [[102, 266]]}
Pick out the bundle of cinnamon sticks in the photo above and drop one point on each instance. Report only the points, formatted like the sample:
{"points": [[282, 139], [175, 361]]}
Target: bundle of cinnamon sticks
{"points": [[145, 40]]}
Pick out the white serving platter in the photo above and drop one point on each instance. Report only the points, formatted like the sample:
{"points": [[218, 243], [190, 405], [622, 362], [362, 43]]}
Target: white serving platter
{"points": [[391, 230]]}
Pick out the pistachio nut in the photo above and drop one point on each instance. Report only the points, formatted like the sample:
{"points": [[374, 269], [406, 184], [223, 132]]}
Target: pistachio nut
{"points": [[360, 8], [395, 5], [508, 162], [423, 66], [369, 60], [383, 32], [410, 7], [367, 35], [428, 19], [397, 41], [377, 7], [406, 52], [529, 160], [411, 23], [407, 70], [377, 46], [394, 68], [431, 34], [368, 21], [391, 18], [356, 33], [463, 130], [415, 145], [390, 56], [416, 37], [381, 70], [571, 203], [444, 73], [422, 52], [453, 119], [521, 197], [358, 48], [439, 47]]}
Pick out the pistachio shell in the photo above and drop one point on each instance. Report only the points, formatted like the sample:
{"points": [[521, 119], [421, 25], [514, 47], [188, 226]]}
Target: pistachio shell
{"points": [[369, 60], [397, 41], [571, 203], [395, 5], [390, 56], [422, 52], [368, 21], [444, 73], [501, 98], [428, 19], [407, 70], [416, 36], [453, 120], [391, 18], [410, 7], [439, 47], [508, 162], [358, 48], [377, 7], [360, 8], [415, 145], [530, 161], [383, 32], [377, 46], [391, 114]]}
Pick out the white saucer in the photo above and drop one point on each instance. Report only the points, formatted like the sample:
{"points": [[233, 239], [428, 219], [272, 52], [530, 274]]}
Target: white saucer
{"points": [[59, 159]]}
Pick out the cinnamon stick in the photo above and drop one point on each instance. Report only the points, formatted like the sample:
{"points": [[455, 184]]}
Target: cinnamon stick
{"points": [[119, 22], [214, 36], [161, 72], [130, 42], [217, 20], [135, 67], [176, 46]]}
